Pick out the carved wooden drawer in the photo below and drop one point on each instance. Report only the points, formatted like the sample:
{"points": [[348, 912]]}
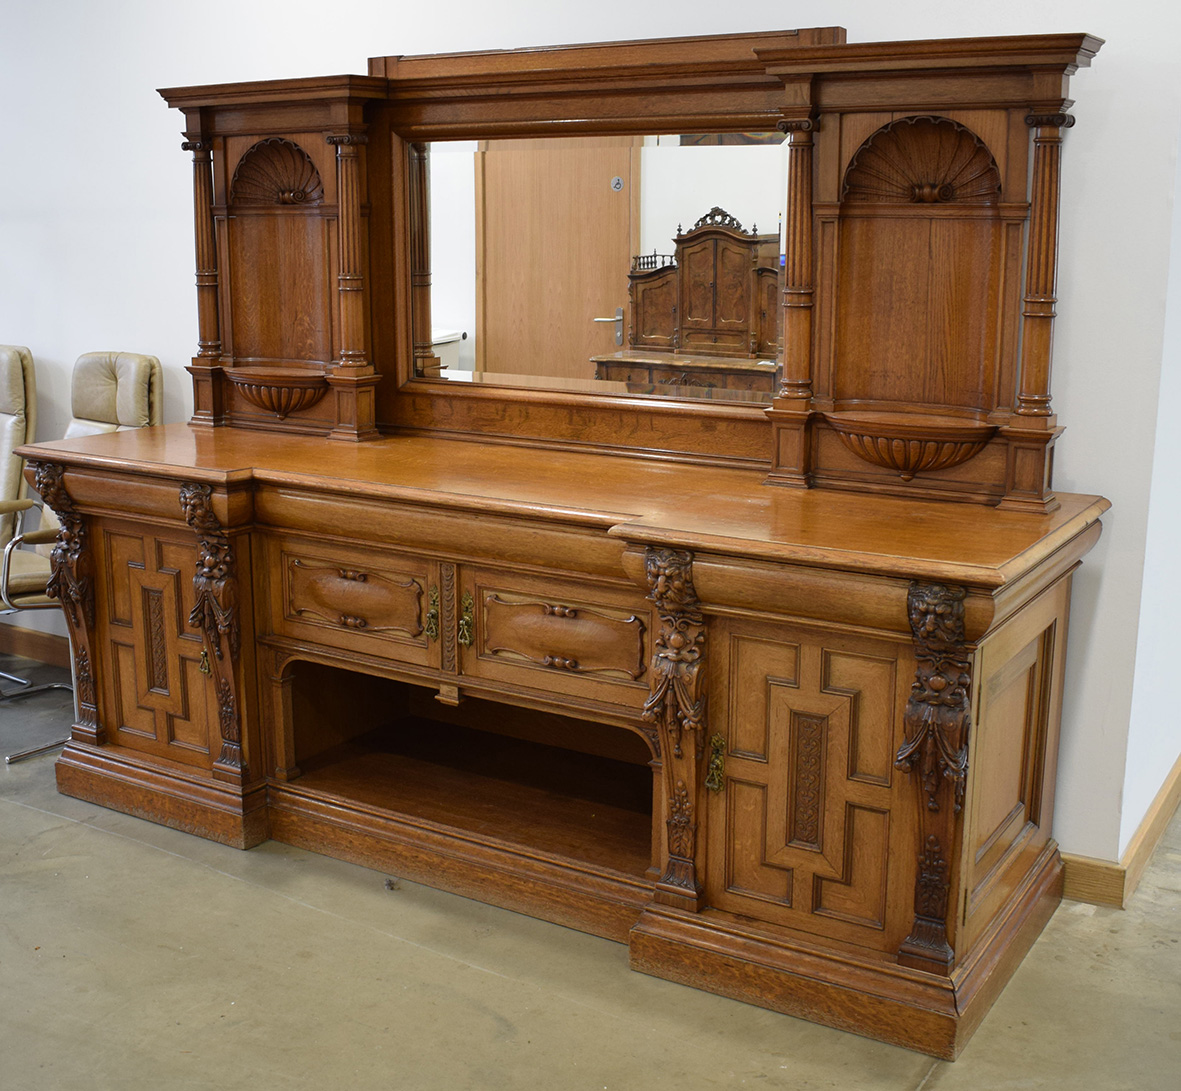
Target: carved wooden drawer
{"points": [[379, 604], [708, 341], [623, 373], [585, 640]]}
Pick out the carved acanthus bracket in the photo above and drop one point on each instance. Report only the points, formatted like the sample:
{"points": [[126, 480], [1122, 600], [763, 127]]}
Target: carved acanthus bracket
{"points": [[937, 719], [215, 613], [938, 713], [676, 707], [72, 582], [677, 701]]}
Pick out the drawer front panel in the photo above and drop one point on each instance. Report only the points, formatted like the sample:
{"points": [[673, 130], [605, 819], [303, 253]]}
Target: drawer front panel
{"points": [[586, 641], [579, 639], [353, 601], [362, 599]]}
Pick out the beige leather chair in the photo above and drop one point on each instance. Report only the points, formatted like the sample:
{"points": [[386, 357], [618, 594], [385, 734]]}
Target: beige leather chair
{"points": [[114, 391], [23, 574], [109, 392]]}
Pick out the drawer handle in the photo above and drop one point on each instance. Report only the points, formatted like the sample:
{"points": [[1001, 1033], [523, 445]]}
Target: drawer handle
{"points": [[467, 623], [560, 662], [715, 772], [432, 615], [350, 622], [353, 575]]}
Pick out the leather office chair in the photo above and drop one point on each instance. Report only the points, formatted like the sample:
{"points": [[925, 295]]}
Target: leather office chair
{"points": [[109, 392], [23, 574]]}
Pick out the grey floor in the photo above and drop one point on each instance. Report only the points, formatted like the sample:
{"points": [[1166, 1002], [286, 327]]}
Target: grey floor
{"points": [[133, 956]]}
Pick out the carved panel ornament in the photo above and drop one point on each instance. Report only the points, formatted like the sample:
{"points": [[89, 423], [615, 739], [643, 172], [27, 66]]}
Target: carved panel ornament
{"points": [[276, 172], [215, 613], [677, 700], [938, 713], [676, 707], [215, 585], [923, 160], [70, 580]]}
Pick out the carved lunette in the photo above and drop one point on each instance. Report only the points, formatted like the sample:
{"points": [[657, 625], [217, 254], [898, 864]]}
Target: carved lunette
{"points": [[71, 582], [215, 613], [676, 706], [937, 721]]}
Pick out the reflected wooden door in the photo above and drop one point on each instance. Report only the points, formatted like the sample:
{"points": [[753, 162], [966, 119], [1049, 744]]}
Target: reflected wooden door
{"points": [[557, 222]]}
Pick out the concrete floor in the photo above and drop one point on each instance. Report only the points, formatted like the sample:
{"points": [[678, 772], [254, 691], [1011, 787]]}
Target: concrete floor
{"points": [[133, 956]]}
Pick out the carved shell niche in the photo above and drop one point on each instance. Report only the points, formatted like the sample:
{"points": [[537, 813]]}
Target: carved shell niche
{"points": [[276, 172], [923, 160]]}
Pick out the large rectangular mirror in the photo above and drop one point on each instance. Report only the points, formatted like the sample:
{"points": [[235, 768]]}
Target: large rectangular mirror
{"points": [[629, 265]]}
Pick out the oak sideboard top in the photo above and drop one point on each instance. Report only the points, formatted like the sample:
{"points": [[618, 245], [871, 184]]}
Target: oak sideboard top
{"points": [[645, 501]]}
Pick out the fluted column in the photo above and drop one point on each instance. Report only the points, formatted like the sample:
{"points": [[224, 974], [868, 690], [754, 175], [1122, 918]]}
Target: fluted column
{"points": [[790, 413], [425, 361], [1041, 266], [208, 321], [798, 263], [351, 278]]}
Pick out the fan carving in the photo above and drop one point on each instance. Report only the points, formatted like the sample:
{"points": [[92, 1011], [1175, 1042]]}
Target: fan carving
{"points": [[278, 390], [923, 160], [276, 172]]}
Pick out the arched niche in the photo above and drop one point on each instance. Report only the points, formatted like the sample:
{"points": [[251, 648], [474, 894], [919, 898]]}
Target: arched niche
{"points": [[923, 263]]}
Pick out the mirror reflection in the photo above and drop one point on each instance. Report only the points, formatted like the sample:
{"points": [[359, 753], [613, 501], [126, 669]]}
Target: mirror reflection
{"points": [[614, 265]]}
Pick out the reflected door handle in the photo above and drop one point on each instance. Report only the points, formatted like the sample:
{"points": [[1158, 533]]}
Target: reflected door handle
{"points": [[618, 320]]}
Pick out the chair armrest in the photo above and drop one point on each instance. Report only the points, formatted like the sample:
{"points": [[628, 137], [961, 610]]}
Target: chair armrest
{"points": [[37, 537], [7, 507]]}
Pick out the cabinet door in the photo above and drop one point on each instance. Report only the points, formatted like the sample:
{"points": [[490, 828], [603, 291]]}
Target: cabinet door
{"points": [[813, 828], [697, 285], [654, 309], [768, 293], [734, 281], [157, 694]]}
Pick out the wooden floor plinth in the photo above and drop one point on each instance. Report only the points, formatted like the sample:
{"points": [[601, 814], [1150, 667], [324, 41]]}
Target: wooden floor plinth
{"points": [[174, 797], [859, 992]]}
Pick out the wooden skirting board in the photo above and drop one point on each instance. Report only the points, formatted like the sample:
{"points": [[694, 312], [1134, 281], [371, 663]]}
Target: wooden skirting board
{"points": [[1105, 882], [44, 647]]}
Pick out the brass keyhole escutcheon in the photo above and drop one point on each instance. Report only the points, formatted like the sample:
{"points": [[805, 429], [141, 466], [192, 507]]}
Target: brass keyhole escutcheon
{"points": [[467, 623], [715, 772], [205, 668], [432, 615]]}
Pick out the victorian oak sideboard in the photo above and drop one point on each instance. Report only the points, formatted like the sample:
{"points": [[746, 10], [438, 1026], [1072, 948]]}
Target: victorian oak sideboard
{"points": [[771, 694]]}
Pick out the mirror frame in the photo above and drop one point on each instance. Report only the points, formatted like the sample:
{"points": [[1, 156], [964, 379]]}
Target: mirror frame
{"points": [[680, 85]]}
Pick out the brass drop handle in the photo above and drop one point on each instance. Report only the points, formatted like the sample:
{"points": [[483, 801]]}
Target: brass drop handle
{"points": [[204, 668], [715, 772], [467, 622], [432, 615]]}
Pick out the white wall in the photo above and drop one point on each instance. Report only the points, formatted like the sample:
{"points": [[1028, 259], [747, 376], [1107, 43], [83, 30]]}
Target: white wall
{"points": [[96, 252], [453, 243], [679, 185], [1155, 726]]}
